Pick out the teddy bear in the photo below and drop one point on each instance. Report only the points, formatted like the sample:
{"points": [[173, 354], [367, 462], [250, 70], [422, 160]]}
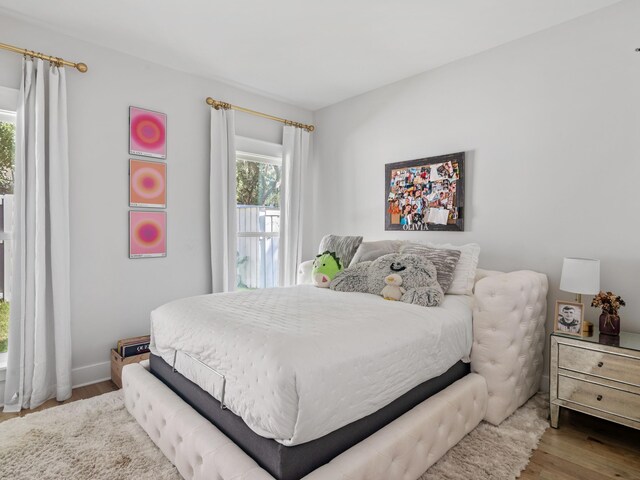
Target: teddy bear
{"points": [[393, 290], [419, 278]]}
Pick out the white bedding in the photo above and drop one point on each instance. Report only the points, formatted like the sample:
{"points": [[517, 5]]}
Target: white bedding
{"points": [[301, 362]]}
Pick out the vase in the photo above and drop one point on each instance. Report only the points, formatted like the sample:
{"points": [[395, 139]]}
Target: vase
{"points": [[609, 324]]}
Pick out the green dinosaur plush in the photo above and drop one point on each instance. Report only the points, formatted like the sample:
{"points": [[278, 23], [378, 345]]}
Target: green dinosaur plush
{"points": [[325, 267]]}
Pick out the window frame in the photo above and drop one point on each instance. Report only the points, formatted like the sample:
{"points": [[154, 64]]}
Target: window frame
{"points": [[8, 99], [8, 109], [258, 151], [268, 160]]}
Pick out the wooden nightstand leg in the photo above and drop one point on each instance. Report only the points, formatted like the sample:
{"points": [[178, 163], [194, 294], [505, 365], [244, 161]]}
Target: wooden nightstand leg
{"points": [[555, 415]]}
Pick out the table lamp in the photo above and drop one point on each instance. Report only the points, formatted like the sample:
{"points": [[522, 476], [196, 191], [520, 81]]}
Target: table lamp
{"points": [[580, 276]]}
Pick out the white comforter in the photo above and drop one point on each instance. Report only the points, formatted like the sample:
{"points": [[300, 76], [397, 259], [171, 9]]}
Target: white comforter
{"points": [[301, 362]]}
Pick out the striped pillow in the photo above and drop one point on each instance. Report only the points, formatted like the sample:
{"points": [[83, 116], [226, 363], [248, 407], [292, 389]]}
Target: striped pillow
{"points": [[445, 261]]}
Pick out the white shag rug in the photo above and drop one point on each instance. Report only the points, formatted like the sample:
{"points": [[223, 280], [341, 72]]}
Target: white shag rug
{"points": [[98, 439]]}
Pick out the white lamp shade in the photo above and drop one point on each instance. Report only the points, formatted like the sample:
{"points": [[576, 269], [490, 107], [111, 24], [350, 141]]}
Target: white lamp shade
{"points": [[580, 275]]}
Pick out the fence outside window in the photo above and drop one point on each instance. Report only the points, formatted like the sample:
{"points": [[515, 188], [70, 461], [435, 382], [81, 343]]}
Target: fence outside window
{"points": [[258, 241]]}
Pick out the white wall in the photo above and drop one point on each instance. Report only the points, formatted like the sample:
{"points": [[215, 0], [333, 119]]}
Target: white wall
{"points": [[551, 127], [112, 295]]}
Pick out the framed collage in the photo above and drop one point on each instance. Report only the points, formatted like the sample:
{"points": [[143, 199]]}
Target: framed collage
{"points": [[425, 194]]}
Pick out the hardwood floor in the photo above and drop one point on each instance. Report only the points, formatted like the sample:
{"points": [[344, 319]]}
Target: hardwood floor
{"points": [[77, 394], [584, 447]]}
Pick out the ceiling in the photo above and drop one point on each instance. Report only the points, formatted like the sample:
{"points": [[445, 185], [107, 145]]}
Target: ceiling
{"points": [[310, 54]]}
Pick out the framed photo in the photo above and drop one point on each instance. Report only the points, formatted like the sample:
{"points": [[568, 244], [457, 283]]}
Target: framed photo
{"points": [[147, 133], [425, 194], [147, 234], [569, 317], [147, 184]]}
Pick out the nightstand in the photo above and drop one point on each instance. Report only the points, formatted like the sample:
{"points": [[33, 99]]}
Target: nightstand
{"points": [[597, 375]]}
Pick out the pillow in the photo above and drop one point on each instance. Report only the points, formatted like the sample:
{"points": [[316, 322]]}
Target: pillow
{"points": [[326, 266], [464, 276], [369, 251], [445, 260], [344, 247]]}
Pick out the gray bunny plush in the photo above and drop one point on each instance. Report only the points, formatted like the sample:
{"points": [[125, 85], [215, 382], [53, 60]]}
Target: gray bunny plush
{"points": [[419, 278]]}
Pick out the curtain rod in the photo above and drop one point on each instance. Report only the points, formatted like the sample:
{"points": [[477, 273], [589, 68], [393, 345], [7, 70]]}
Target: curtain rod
{"points": [[226, 106], [81, 67]]}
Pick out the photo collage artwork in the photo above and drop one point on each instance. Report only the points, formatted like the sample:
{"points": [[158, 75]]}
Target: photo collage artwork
{"points": [[424, 196]]}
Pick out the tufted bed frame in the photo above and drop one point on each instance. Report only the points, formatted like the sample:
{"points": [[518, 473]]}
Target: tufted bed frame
{"points": [[506, 367]]}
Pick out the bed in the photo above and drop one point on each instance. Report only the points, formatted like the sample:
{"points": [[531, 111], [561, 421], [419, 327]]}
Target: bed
{"points": [[297, 365]]}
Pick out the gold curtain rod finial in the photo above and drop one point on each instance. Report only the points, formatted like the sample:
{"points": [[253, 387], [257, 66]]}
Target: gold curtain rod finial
{"points": [[217, 104], [81, 67]]}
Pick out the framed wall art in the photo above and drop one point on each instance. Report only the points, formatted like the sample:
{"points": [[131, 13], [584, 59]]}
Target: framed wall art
{"points": [[147, 234], [425, 194], [147, 184], [147, 133]]}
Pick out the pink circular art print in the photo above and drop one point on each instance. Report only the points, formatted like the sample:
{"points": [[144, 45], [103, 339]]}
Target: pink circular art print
{"points": [[147, 133], [147, 183], [147, 234]]}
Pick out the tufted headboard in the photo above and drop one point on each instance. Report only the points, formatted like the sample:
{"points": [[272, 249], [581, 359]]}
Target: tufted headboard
{"points": [[509, 315]]}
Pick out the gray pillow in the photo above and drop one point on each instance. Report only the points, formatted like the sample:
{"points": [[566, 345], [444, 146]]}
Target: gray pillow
{"points": [[444, 260], [370, 251], [344, 247]]}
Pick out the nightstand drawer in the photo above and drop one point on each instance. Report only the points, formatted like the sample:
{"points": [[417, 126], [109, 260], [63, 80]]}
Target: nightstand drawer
{"points": [[618, 402], [606, 365]]}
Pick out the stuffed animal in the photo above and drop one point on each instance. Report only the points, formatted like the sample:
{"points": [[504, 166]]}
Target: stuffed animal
{"points": [[419, 278], [325, 267], [393, 290]]}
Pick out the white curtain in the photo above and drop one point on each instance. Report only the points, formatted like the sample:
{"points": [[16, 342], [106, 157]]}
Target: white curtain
{"points": [[39, 357], [223, 201], [295, 152]]}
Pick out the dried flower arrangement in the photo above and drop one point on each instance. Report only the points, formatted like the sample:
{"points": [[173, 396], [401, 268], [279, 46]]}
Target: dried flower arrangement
{"points": [[608, 301]]}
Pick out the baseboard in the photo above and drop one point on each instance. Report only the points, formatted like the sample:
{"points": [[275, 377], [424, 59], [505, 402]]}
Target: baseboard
{"points": [[89, 374], [544, 384], [81, 376]]}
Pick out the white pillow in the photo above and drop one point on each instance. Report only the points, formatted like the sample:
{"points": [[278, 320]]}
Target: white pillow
{"points": [[464, 276]]}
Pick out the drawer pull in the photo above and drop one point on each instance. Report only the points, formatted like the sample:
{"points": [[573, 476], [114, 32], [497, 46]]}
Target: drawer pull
{"points": [[600, 364], [599, 397]]}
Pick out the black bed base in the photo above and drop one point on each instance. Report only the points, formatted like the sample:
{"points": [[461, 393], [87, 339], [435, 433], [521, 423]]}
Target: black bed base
{"points": [[293, 463]]}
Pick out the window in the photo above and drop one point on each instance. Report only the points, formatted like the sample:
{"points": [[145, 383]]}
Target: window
{"points": [[8, 99], [258, 216]]}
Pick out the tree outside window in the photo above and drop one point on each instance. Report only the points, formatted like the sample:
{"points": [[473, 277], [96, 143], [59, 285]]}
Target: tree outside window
{"points": [[7, 155]]}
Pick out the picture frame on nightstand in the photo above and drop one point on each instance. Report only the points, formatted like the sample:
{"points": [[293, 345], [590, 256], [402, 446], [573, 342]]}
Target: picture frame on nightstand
{"points": [[568, 318]]}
